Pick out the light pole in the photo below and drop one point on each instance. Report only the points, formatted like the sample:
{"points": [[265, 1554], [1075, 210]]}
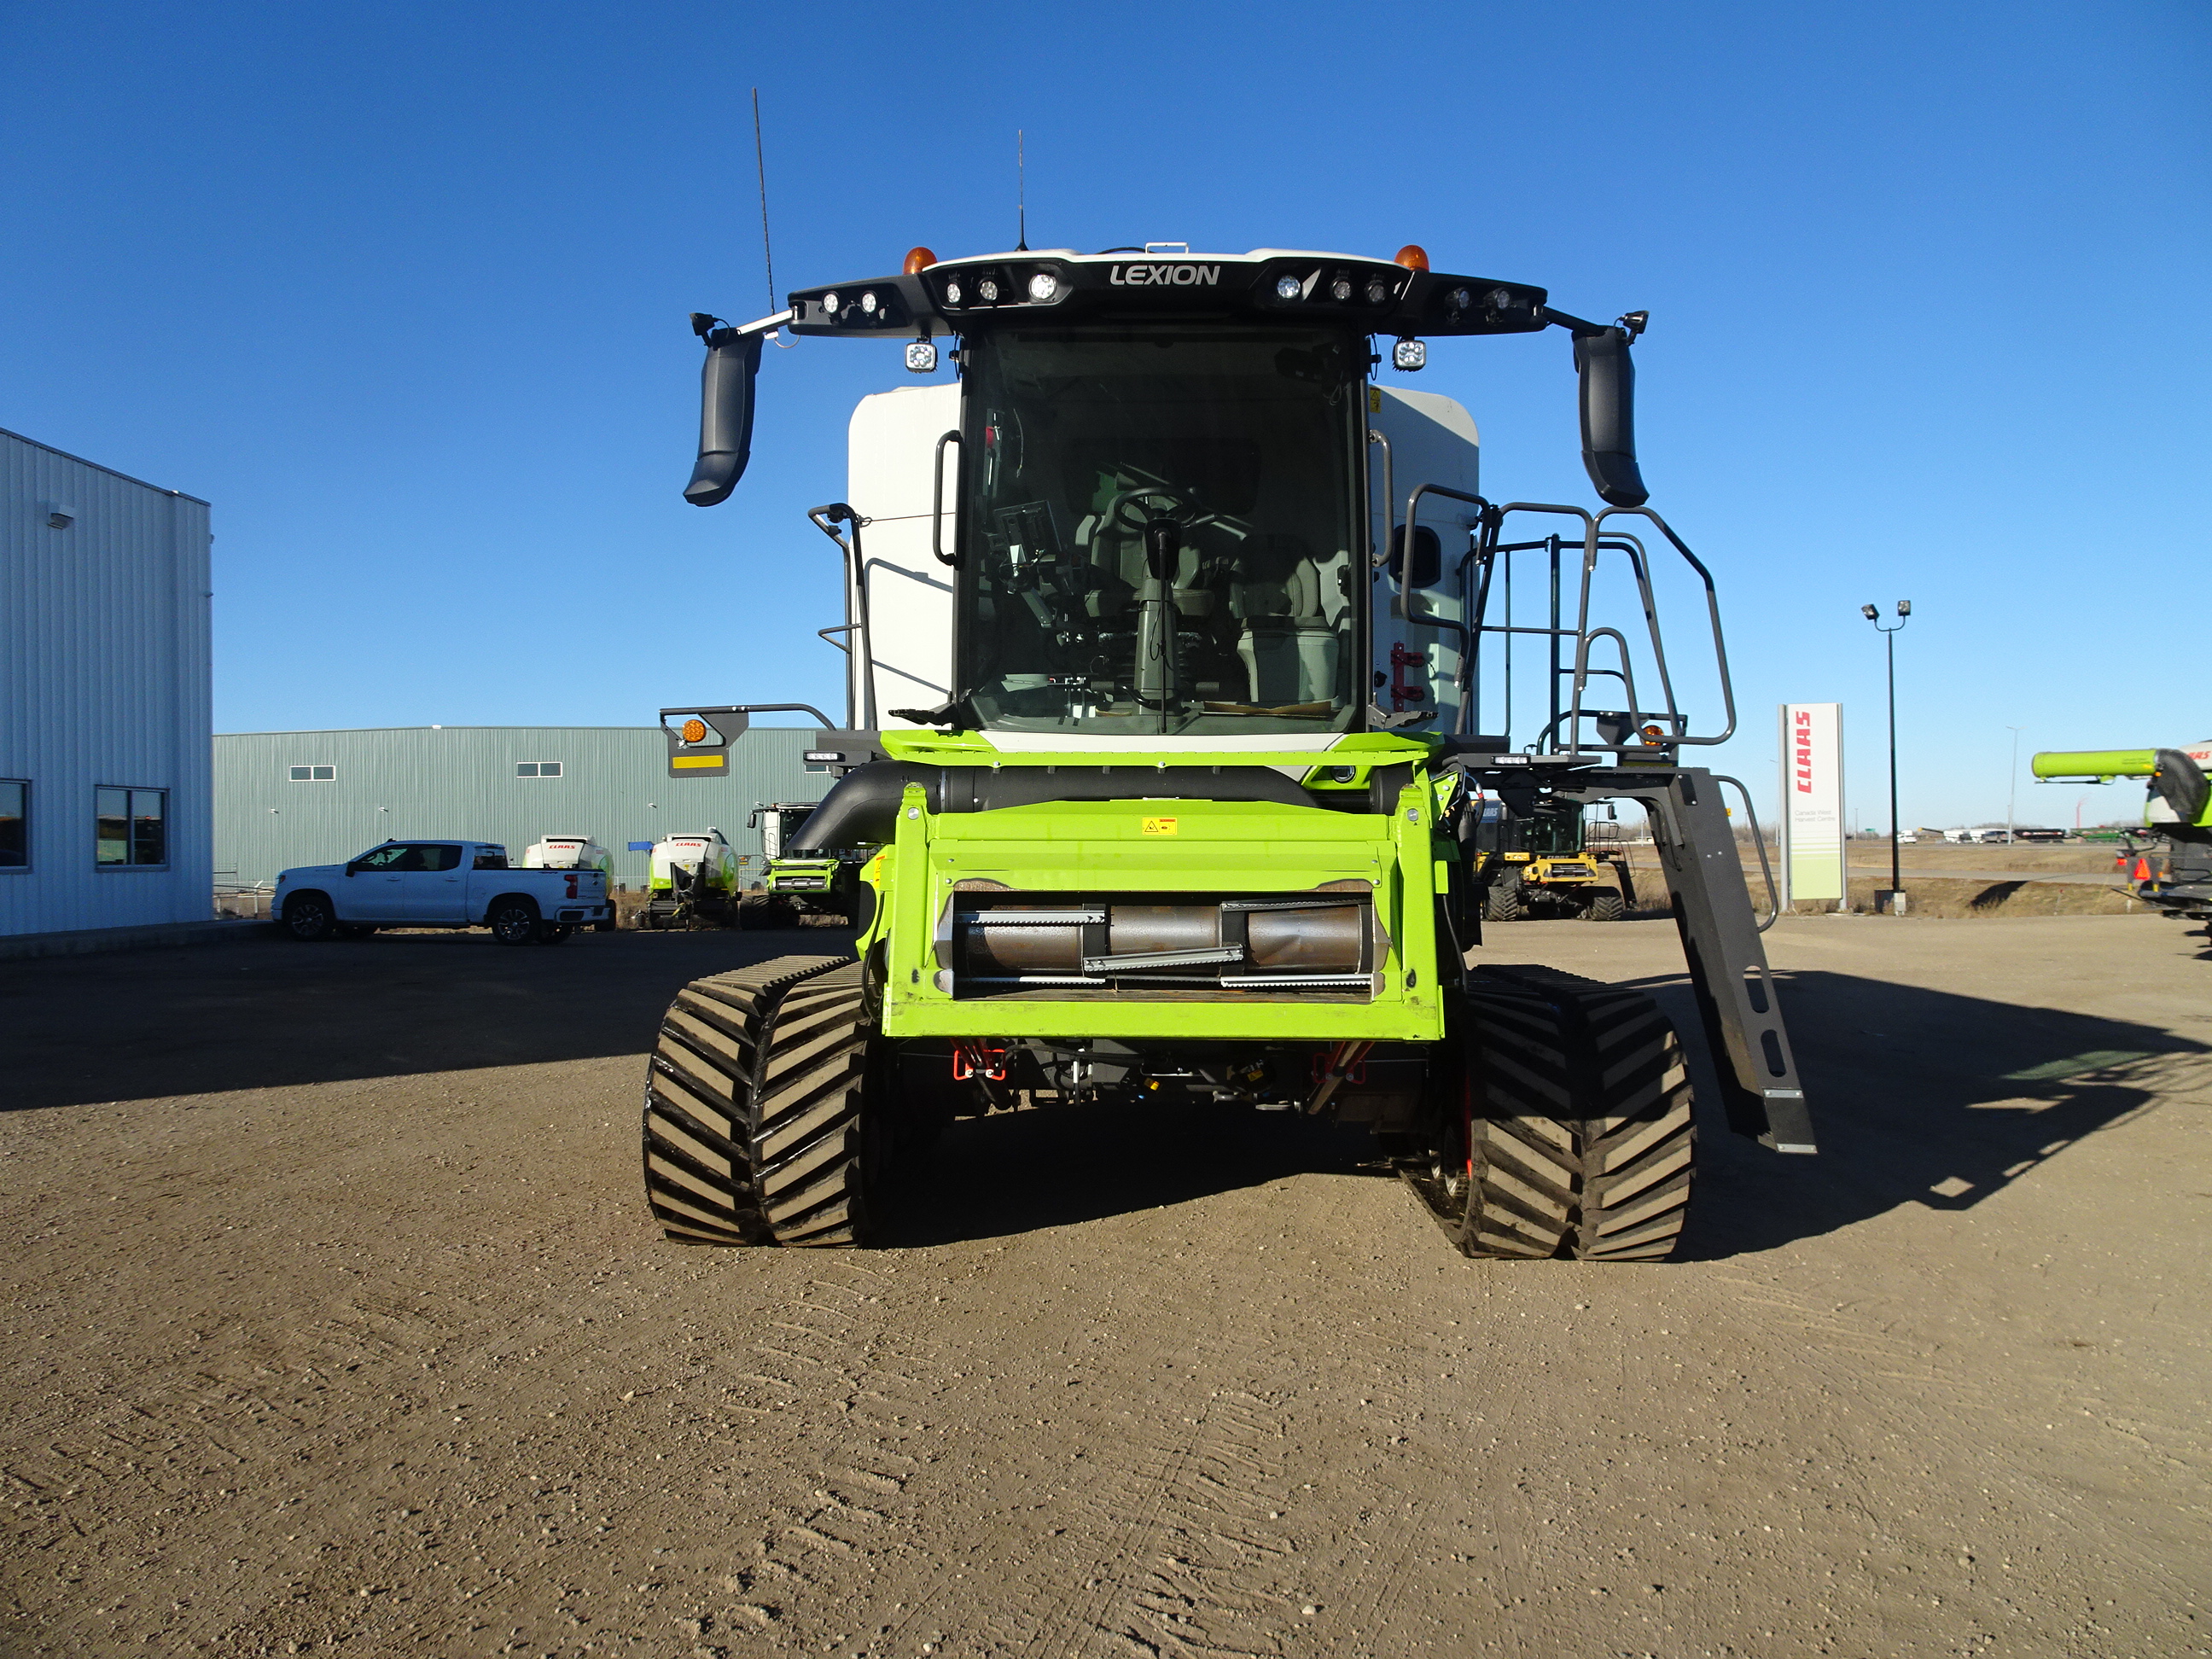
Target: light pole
{"points": [[2012, 783], [1889, 642]]}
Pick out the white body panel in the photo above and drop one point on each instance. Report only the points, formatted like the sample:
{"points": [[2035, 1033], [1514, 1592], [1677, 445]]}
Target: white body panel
{"points": [[1432, 440], [566, 852], [893, 439], [709, 854]]}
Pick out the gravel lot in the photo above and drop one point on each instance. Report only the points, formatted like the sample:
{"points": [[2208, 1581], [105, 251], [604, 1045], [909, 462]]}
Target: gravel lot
{"points": [[334, 1321]]}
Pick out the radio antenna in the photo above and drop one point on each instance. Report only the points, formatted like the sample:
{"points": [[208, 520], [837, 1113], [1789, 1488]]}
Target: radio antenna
{"points": [[760, 166], [1021, 194]]}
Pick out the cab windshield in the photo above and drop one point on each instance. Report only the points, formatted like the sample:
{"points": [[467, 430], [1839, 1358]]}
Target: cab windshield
{"points": [[1161, 531]]}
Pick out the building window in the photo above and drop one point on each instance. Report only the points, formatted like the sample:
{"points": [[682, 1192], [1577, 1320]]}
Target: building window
{"points": [[14, 824], [131, 827], [538, 768], [314, 774]]}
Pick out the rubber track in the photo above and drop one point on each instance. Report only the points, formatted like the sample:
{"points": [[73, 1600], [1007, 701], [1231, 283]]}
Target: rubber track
{"points": [[698, 1141], [1581, 1143], [808, 1134]]}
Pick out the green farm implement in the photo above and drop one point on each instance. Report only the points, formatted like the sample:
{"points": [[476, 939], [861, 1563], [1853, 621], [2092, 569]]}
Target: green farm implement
{"points": [[1169, 633]]}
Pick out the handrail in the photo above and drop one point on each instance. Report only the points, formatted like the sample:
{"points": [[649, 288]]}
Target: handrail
{"points": [[1712, 613], [1403, 606], [1596, 542], [1495, 517], [1379, 556], [1766, 869], [937, 496], [856, 576]]}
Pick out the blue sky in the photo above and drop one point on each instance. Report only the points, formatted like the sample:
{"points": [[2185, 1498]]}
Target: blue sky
{"points": [[401, 290]]}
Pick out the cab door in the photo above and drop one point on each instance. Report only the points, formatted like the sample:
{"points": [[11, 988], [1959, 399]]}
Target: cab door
{"points": [[433, 888], [372, 887]]}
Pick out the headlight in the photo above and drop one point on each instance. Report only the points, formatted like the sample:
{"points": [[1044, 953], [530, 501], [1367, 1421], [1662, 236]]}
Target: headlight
{"points": [[987, 291], [1044, 287], [830, 303], [1287, 288], [952, 293], [868, 303]]}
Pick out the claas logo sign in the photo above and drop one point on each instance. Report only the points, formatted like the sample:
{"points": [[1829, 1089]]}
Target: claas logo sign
{"points": [[699, 740]]}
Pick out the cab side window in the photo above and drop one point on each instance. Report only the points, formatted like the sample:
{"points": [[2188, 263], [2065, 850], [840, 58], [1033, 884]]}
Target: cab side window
{"points": [[491, 861], [386, 859], [437, 858]]}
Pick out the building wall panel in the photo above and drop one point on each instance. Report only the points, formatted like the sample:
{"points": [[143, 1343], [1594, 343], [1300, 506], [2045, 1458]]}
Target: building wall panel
{"points": [[104, 678], [459, 782]]}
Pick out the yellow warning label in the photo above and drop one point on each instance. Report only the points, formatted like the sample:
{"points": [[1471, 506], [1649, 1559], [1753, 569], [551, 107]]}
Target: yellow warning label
{"points": [[1374, 400], [698, 760], [1159, 826]]}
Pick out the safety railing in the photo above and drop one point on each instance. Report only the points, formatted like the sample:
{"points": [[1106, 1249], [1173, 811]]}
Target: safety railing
{"points": [[1566, 733]]}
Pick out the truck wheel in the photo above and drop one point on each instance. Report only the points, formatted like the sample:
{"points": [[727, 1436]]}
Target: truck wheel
{"points": [[756, 1096], [1502, 903], [513, 921], [553, 933], [309, 919], [1574, 1136], [1607, 905]]}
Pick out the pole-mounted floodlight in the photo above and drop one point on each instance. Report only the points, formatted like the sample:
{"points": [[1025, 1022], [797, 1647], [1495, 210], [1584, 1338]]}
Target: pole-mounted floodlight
{"points": [[1873, 614]]}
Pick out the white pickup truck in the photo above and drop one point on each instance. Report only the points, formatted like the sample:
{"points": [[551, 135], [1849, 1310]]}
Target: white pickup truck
{"points": [[437, 884]]}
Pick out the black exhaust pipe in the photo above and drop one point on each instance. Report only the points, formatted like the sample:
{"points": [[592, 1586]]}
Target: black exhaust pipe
{"points": [[1608, 399], [726, 412]]}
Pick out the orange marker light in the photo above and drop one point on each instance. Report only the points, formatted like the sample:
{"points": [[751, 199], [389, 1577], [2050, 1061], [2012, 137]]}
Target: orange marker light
{"points": [[695, 730], [1414, 256], [919, 259]]}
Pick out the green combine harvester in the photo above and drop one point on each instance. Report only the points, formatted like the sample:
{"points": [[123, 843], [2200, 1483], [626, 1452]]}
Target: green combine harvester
{"points": [[1162, 763], [2173, 872]]}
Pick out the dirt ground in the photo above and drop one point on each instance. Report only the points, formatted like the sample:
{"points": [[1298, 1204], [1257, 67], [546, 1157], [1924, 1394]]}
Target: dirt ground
{"points": [[334, 1321]]}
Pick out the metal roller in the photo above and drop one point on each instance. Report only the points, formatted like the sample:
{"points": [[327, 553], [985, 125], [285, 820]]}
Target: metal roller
{"points": [[1328, 938], [1135, 929]]}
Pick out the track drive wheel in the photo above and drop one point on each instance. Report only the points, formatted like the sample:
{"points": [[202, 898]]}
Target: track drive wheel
{"points": [[1502, 903], [1607, 905], [1574, 1137], [764, 1112]]}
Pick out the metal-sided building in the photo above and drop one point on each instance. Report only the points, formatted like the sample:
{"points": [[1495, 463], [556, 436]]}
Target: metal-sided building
{"points": [[106, 703], [284, 799]]}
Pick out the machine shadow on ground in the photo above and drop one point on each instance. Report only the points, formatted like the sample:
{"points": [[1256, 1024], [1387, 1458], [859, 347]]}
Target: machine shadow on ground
{"points": [[265, 1012], [1919, 1097], [1020, 1172]]}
